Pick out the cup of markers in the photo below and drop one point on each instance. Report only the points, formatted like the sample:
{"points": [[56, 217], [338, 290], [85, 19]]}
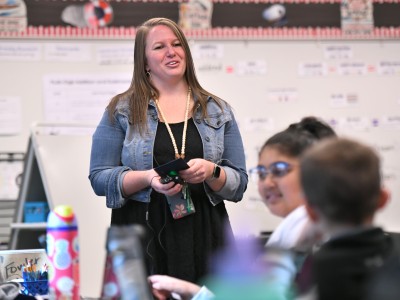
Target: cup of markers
{"points": [[34, 281]]}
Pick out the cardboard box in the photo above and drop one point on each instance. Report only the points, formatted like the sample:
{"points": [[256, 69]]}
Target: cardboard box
{"points": [[11, 261]]}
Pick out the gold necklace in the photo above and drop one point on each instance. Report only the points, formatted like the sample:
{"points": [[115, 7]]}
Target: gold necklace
{"points": [[177, 155]]}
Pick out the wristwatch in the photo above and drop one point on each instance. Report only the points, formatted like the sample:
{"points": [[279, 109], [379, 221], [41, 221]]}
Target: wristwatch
{"points": [[217, 171]]}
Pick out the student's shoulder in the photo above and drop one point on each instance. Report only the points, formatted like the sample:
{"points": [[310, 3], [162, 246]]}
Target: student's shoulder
{"points": [[394, 243]]}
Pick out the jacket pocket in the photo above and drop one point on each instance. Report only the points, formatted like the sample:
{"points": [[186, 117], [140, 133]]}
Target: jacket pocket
{"points": [[217, 120]]}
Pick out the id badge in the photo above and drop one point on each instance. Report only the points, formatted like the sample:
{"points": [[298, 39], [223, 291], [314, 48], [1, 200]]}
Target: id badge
{"points": [[179, 206]]}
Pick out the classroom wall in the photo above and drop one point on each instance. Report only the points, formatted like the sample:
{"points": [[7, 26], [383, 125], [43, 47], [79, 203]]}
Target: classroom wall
{"points": [[354, 85]]}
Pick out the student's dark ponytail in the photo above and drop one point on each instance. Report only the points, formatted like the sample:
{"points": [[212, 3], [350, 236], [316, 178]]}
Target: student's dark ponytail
{"points": [[318, 128], [299, 136]]}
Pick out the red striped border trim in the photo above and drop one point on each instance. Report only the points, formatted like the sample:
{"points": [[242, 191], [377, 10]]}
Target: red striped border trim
{"points": [[235, 1], [257, 1], [214, 33], [254, 1]]}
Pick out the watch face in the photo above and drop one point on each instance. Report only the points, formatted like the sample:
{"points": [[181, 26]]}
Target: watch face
{"points": [[217, 171]]}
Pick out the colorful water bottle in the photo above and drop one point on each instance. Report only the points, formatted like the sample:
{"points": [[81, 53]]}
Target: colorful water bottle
{"points": [[63, 253]]}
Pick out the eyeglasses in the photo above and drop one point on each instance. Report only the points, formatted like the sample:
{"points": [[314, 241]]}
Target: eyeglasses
{"points": [[277, 169]]}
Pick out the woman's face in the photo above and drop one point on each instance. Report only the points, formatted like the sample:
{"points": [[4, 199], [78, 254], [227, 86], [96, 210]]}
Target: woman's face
{"points": [[166, 58], [281, 194]]}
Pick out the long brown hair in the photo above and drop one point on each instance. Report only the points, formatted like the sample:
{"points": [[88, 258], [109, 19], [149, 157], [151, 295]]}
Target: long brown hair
{"points": [[141, 89]]}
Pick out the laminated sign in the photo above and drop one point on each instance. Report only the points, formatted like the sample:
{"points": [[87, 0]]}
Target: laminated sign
{"points": [[12, 262]]}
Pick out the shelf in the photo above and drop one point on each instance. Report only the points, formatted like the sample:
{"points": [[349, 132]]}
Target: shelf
{"points": [[27, 226]]}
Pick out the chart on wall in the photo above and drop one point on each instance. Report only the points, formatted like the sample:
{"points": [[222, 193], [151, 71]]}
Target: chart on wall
{"points": [[203, 18]]}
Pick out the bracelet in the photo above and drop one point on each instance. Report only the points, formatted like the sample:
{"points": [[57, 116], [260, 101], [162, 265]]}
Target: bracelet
{"points": [[151, 181]]}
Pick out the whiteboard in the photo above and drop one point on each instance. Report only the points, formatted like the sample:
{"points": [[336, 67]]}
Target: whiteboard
{"points": [[63, 160], [355, 85]]}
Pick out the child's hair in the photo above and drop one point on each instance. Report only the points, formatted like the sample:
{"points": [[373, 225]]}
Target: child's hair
{"points": [[341, 180], [299, 136]]}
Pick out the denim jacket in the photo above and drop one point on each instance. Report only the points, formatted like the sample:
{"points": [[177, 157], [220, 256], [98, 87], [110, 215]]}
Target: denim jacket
{"points": [[118, 147]]}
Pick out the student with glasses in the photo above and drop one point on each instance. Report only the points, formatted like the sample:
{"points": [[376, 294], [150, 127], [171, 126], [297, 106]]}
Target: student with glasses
{"points": [[279, 180]]}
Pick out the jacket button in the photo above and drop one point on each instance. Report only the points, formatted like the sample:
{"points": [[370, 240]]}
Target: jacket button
{"points": [[198, 121], [219, 122], [207, 139]]}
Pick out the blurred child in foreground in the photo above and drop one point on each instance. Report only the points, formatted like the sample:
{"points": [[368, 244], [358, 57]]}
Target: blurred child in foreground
{"points": [[341, 180]]}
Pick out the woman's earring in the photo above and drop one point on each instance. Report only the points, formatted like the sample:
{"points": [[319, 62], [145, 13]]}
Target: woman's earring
{"points": [[148, 73]]}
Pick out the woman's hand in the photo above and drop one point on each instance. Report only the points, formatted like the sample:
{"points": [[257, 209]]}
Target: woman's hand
{"points": [[169, 189], [199, 170], [202, 170], [164, 286]]}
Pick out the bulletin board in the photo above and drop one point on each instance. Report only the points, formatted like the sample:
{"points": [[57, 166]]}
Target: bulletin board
{"points": [[353, 85], [203, 19]]}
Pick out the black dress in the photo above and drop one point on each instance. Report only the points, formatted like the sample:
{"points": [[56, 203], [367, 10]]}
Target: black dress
{"points": [[183, 247]]}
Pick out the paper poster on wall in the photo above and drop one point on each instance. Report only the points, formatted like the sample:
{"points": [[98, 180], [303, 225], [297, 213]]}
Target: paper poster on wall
{"points": [[10, 115], [251, 67], [262, 124], [343, 100], [283, 95], [389, 68], [357, 16], [195, 14], [67, 52], [312, 69], [13, 16], [210, 67], [80, 98], [208, 57], [10, 51], [356, 123], [391, 122], [353, 68], [115, 54], [338, 51], [207, 51]]}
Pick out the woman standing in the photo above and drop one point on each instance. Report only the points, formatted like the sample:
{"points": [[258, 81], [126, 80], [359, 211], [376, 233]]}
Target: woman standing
{"points": [[166, 114]]}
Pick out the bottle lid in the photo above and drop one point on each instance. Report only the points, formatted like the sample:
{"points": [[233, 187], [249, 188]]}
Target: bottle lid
{"points": [[65, 211]]}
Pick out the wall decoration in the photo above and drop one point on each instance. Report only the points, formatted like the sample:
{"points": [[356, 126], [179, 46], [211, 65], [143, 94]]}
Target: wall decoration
{"points": [[203, 19]]}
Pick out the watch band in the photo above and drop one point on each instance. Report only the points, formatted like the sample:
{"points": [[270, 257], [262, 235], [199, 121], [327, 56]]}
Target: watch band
{"points": [[217, 171]]}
